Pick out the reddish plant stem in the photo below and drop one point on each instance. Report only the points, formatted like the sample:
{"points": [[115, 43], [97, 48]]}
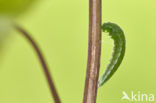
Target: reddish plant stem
{"points": [[94, 52], [42, 61]]}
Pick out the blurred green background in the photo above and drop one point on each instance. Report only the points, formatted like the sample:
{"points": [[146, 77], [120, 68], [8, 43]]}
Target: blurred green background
{"points": [[61, 29]]}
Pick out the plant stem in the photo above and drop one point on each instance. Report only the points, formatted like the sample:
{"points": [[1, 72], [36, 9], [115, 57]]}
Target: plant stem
{"points": [[42, 61], [94, 51]]}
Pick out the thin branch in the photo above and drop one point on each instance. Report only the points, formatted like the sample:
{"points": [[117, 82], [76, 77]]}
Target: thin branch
{"points": [[94, 52], [42, 61]]}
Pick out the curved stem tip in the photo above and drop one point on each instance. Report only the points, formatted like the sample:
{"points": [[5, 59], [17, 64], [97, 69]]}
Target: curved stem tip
{"points": [[42, 61]]}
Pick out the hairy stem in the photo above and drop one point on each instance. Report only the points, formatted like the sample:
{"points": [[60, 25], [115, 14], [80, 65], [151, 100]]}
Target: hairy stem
{"points": [[94, 52], [42, 61]]}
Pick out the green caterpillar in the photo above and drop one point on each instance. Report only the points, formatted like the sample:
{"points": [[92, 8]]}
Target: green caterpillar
{"points": [[117, 35]]}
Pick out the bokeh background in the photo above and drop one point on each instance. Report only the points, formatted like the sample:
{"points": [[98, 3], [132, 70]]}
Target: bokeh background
{"points": [[61, 29]]}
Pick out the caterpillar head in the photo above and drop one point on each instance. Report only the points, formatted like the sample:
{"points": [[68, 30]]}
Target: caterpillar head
{"points": [[112, 28]]}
